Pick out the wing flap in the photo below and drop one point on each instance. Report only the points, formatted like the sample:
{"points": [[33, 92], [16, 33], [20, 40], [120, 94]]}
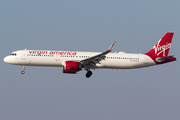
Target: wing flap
{"points": [[92, 61]]}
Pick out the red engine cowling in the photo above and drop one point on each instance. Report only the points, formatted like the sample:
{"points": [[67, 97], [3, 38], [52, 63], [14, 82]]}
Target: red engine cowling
{"points": [[71, 67]]}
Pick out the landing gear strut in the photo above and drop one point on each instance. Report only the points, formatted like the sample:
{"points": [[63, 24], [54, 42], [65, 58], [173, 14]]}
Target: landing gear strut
{"points": [[88, 74], [22, 72]]}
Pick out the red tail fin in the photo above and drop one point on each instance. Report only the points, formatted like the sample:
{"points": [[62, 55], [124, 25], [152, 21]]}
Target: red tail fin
{"points": [[161, 49]]}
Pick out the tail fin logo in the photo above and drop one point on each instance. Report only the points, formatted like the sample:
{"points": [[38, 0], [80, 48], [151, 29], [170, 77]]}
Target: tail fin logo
{"points": [[161, 49]]}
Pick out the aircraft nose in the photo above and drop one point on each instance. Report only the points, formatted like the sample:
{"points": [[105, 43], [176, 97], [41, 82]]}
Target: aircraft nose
{"points": [[7, 59]]}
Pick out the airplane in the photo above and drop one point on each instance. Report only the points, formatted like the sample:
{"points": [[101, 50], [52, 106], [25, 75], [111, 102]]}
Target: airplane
{"points": [[73, 61]]}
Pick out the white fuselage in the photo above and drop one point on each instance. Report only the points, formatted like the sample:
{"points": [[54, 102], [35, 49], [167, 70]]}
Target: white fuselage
{"points": [[119, 60], [73, 61]]}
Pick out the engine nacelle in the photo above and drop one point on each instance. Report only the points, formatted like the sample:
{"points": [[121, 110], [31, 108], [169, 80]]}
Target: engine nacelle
{"points": [[71, 67]]}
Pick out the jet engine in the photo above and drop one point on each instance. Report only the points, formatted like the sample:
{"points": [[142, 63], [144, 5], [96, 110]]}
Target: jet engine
{"points": [[71, 67]]}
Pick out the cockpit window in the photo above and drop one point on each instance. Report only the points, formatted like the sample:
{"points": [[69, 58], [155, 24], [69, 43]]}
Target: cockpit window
{"points": [[14, 54]]}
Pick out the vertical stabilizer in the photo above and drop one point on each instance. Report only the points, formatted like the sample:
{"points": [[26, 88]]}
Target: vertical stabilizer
{"points": [[161, 49]]}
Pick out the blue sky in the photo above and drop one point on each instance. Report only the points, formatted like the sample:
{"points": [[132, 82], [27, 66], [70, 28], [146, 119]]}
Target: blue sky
{"points": [[46, 93]]}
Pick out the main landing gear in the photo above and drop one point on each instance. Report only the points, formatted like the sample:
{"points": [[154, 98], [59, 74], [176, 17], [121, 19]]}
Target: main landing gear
{"points": [[88, 74], [22, 72]]}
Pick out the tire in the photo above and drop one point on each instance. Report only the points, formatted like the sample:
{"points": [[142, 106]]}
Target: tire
{"points": [[88, 74], [22, 72]]}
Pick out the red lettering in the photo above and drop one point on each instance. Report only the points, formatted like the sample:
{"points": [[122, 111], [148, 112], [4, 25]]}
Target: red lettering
{"points": [[57, 53], [61, 53], [30, 52], [39, 52], [69, 53], [64, 53], [42, 52], [51, 52], [74, 53], [34, 52]]}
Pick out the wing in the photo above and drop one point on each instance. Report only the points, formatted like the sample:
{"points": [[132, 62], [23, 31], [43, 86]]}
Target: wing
{"points": [[92, 61]]}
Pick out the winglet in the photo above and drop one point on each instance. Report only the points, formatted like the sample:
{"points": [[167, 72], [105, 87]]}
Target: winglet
{"points": [[111, 47]]}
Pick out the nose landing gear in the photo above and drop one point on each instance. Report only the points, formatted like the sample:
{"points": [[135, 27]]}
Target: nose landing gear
{"points": [[22, 72], [88, 74]]}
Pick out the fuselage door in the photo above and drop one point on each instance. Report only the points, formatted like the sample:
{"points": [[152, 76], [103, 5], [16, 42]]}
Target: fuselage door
{"points": [[23, 55], [57, 57], [145, 60]]}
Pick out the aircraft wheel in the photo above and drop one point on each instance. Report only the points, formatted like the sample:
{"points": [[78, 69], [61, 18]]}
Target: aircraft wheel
{"points": [[22, 72], [88, 74]]}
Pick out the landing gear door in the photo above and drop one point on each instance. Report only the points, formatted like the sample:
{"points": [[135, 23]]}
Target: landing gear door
{"points": [[23, 55]]}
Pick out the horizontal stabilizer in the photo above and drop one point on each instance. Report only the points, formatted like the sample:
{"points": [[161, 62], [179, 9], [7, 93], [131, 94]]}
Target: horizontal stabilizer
{"points": [[164, 58]]}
